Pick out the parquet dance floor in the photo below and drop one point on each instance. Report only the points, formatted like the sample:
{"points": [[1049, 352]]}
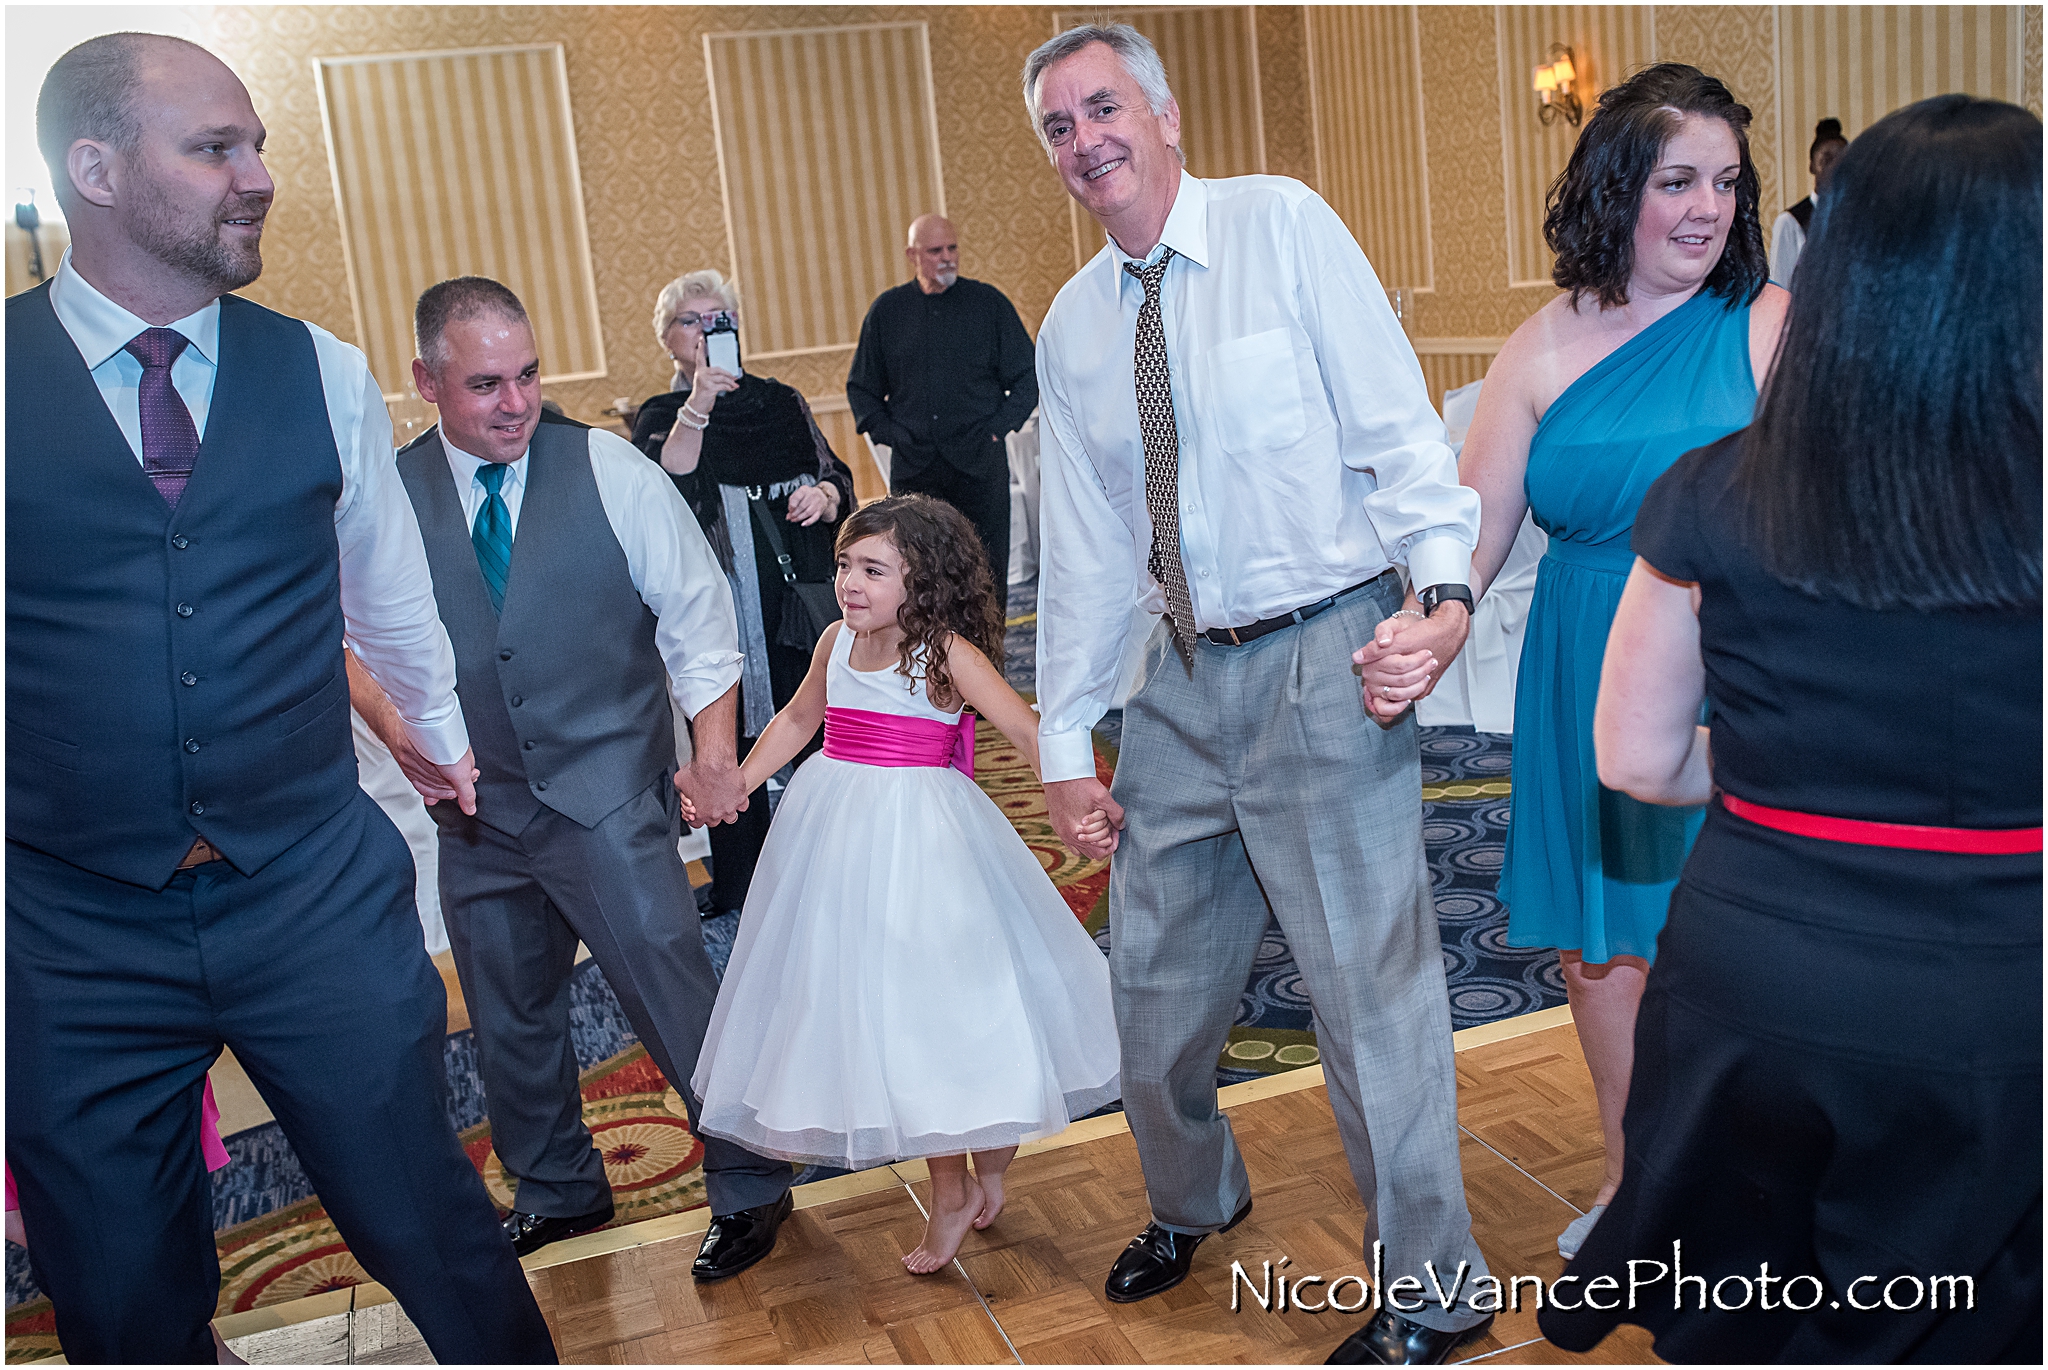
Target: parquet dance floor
{"points": [[1029, 1290]]}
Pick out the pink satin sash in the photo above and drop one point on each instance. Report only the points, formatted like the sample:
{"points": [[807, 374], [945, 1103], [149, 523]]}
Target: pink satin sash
{"points": [[878, 739]]}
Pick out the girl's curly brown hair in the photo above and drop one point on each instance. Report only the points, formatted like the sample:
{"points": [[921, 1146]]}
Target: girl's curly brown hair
{"points": [[947, 585]]}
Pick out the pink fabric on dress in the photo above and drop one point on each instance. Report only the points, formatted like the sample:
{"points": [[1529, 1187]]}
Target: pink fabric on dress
{"points": [[877, 739], [210, 1145]]}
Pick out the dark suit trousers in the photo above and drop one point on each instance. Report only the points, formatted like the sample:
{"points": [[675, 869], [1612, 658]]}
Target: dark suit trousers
{"points": [[516, 907], [985, 499], [312, 971]]}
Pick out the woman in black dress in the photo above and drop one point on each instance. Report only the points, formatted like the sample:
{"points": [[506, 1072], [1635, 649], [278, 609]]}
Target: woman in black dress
{"points": [[732, 443], [1834, 1124]]}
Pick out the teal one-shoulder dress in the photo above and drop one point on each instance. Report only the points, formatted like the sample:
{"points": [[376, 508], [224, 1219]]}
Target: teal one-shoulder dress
{"points": [[1588, 868]]}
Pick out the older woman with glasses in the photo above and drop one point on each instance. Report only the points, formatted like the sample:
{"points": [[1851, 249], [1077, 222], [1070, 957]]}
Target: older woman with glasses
{"points": [[750, 460]]}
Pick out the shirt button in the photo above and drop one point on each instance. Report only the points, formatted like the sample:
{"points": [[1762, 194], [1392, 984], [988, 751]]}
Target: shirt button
{"points": [[505, 655], [181, 542], [197, 808], [540, 784], [191, 744], [517, 700], [184, 611], [1205, 573], [528, 746], [189, 679]]}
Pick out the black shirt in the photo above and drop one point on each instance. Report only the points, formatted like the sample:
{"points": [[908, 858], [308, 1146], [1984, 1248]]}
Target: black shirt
{"points": [[1821, 707], [943, 375]]}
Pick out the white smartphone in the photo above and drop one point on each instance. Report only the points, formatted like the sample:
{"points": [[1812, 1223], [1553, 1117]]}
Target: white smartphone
{"points": [[722, 348]]}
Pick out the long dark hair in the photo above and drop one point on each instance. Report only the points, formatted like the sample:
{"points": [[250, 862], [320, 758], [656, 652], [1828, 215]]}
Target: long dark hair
{"points": [[1895, 460], [1593, 205], [948, 587]]}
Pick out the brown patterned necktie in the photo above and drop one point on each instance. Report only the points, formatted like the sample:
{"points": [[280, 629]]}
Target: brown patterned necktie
{"points": [[1162, 454]]}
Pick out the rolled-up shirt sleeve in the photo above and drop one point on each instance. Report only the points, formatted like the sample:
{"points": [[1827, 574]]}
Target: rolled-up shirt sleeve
{"points": [[1087, 585], [672, 566], [1389, 428], [387, 592]]}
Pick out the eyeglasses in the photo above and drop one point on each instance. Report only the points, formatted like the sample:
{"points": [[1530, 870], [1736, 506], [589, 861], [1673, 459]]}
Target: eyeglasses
{"points": [[706, 322]]}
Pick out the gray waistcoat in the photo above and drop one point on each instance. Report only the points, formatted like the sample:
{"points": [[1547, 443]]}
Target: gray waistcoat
{"points": [[565, 695]]}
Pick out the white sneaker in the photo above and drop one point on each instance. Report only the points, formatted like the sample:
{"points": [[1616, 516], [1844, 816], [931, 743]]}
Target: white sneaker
{"points": [[1573, 1237]]}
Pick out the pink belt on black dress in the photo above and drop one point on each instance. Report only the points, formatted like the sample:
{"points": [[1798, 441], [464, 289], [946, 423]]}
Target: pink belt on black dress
{"points": [[1905, 836], [878, 739]]}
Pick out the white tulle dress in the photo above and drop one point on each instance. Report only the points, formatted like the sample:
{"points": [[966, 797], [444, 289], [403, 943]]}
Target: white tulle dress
{"points": [[906, 981]]}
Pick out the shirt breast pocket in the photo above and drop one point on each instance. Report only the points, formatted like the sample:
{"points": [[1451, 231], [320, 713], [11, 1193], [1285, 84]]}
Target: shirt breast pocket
{"points": [[1253, 393]]}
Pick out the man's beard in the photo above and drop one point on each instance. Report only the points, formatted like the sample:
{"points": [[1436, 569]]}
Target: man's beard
{"points": [[196, 249], [947, 277]]}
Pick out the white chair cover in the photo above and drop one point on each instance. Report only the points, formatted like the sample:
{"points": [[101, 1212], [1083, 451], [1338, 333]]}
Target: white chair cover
{"points": [[1478, 690]]}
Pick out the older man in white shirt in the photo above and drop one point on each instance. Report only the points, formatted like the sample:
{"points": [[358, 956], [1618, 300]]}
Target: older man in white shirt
{"points": [[1235, 434]]}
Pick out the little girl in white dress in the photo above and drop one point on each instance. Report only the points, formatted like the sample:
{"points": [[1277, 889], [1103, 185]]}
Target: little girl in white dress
{"points": [[906, 981]]}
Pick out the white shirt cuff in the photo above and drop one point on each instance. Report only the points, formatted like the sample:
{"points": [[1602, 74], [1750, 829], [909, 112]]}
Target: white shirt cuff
{"points": [[442, 743], [1439, 560], [705, 680], [1066, 756]]}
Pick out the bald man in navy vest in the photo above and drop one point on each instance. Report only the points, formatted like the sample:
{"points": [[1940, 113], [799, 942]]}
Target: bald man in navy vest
{"points": [[202, 503]]}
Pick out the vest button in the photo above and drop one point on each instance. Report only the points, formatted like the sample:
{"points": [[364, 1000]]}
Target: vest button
{"points": [[517, 700], [181, 542], [197, 808], [189, 679], [184, 611], [528, 746], [540, 784], [191, 744], [505, 655]]}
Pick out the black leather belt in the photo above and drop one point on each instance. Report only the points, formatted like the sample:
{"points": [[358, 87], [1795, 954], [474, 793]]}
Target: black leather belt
{"points": [[1252, 632]]}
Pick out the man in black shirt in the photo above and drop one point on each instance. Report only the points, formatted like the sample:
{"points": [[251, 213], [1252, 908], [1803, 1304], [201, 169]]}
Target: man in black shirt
{"points": [[944, 371]]}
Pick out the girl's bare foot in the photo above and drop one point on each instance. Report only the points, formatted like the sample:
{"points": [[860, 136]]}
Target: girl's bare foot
{"points": [[989, 1168], [956, 1199]]}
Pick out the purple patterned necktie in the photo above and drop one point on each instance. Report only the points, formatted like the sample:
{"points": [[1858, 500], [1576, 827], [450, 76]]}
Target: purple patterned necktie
{"points": [[170, 444]]}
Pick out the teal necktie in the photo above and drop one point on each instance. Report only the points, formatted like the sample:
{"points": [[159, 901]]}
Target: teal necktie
{"points": [[492, 534]]}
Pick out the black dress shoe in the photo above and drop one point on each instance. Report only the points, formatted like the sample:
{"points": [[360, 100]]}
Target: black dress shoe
{"points": [[1390, 1339], [530, 1231], [737, 1240], [1157, 1260]]}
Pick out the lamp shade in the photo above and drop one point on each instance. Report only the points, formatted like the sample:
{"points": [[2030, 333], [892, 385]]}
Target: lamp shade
{"points": [[1563, 70], [1546, 78]]}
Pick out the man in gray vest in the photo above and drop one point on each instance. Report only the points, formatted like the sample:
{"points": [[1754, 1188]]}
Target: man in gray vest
{"points": [[581, 596]]}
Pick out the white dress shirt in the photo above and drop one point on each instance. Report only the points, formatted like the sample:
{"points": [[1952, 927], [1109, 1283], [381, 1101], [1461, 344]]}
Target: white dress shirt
{"points": [[670, 562], [387, 594], [1788, 240], [1310, 458]]}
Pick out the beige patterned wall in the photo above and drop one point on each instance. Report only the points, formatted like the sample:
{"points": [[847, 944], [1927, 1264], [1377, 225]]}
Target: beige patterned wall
{"points": [[1608, 42], [1373, 168], [650, 164], [649, 159], [827, 149], [419, 144], [1858, 63]]}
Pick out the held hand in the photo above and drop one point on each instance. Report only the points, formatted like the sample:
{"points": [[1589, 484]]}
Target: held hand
{"points": [[456, 780], [1406, 658], [707, 385], [711, 795], [809, 504], [1071, 804]]}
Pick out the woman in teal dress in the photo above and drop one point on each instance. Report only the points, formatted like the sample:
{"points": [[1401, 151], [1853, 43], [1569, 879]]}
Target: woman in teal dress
{"points": [[1657, 346]]}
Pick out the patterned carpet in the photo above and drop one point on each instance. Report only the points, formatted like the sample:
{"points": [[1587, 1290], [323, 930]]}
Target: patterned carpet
{"points": [[277, 1244]]}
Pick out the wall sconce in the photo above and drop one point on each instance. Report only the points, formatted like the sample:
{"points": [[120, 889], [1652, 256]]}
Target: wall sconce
{"points": [[1554, 88]]}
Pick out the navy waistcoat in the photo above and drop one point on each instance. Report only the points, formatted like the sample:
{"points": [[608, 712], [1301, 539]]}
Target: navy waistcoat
{"points": [[565, 694], [172, 672]]}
